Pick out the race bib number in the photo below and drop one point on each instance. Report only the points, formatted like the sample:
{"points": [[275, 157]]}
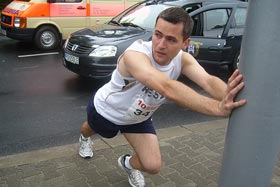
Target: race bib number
{"points": [[140, 110]]}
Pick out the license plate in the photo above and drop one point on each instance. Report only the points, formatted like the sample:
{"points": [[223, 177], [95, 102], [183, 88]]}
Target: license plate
{"points": [[2, 31], [71, 58]]}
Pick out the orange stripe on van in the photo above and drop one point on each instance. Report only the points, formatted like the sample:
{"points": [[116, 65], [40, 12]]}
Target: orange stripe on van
{"points": [[68, 10], [38, 10], [88, 9], [33, 10]]}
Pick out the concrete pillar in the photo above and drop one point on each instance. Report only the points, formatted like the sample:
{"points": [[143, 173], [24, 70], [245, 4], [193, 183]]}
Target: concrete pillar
{"points": [[253, 135]]}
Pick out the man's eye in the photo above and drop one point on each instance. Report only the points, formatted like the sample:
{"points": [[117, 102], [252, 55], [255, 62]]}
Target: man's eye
{"points": [[157, 35], [171, 40]]}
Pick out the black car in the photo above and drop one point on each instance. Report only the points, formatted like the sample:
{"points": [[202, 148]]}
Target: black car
{"points": [[216, 37]]}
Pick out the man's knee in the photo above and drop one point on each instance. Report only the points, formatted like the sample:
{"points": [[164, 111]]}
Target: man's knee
{"points": [[152, 166]]}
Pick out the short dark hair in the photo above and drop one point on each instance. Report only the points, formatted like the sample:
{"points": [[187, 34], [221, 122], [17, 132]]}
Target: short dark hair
{"points": [[178, 15]]}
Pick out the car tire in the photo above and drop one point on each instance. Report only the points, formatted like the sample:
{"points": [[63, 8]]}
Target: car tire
{"points": [[235, 63], [47, 38]]}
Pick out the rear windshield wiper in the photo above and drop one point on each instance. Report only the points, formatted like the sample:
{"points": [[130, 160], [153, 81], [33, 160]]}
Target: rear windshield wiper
{"points": [[131, 24]]}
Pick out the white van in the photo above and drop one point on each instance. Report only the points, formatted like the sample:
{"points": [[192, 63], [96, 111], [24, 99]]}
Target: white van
{"points": [[48, 22]]}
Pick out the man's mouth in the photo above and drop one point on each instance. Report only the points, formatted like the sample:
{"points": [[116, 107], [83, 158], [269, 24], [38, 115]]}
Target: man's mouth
{"points": [[160, 53]]}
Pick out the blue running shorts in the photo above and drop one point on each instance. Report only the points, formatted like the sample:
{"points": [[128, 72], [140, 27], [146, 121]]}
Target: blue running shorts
{"points": [[108, 129]]}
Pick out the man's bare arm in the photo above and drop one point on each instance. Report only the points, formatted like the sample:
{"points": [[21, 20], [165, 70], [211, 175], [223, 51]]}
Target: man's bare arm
{"points": [[213, 85], [137, 65]]}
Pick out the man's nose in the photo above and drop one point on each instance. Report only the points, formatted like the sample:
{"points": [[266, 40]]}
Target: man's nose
{"points": [[162, 43]]}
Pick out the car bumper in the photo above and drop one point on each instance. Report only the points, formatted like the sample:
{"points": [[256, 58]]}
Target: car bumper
{"points": [[18, 34], [91, 67]]}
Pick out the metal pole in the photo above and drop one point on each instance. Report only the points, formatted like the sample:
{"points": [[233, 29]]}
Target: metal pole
{"points": [[253, 135]]}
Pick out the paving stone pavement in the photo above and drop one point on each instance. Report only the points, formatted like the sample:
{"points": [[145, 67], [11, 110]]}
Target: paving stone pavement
{"points": [[192, 156]]}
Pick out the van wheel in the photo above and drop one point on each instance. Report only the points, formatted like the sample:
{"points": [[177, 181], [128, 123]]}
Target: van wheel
{"points": [[235, 63], [47, 38]]}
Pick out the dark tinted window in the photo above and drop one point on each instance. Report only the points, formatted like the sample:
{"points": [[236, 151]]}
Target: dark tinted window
{"points": [[240, 17], [214, 22]]}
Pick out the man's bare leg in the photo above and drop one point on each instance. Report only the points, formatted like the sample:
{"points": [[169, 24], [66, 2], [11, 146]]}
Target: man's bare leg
{"points": [[147, 155]]}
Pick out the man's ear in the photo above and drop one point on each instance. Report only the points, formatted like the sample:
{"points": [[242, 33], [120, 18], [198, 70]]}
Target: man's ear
{"points": [[186, 44]]}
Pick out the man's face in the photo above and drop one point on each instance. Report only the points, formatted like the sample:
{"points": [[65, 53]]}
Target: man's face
{"points": [[167, 41]]}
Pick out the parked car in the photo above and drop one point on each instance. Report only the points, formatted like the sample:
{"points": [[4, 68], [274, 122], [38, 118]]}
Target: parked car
{"points": [[216, 37]]}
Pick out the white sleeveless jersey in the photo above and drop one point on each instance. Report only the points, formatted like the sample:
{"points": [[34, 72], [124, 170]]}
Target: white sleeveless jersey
{"points": [[124, 100]]}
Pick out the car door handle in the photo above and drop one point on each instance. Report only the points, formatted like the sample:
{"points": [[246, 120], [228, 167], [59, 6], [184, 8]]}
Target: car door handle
{"points": [[81, 8], [213, 48]]}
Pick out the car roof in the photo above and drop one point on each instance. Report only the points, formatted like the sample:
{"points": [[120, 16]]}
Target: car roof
{"points": [[205, 2]]}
